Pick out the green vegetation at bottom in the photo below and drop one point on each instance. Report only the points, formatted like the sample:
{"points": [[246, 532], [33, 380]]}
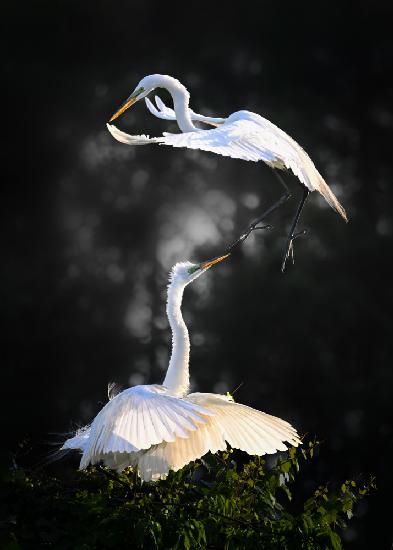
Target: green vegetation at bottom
{"points": [[212, 503]]}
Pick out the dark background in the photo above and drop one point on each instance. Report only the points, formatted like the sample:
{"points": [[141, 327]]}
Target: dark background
{"points": [[91, 227]]}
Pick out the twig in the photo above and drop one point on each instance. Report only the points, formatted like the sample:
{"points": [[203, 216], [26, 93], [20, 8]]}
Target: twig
{"points": [[237, 388]]}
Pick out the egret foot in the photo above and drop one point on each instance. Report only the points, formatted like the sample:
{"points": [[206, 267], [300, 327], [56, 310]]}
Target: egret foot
{"points": [[254, 225], [289, 252], [246, 234], [292, 234]]}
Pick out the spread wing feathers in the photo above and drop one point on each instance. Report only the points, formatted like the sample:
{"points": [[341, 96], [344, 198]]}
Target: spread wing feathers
{"points": [[250, 140], [247, 136], [242, 427], [78, 441], [166, 113], [162, 111], [138, 418], [316, 182]]}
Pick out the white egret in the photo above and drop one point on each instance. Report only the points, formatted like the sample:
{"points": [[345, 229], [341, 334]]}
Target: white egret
{"points": [[243, 135], [158, 428]]}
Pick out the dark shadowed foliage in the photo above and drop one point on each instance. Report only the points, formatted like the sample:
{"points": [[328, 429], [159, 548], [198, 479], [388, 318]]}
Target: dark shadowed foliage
{"points": [[212, 503], [91, 227]]}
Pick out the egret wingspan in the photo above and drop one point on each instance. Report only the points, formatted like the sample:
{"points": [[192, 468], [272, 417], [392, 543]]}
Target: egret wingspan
{"points": [[268, 143], [244, 428], [138, 418], [148, 427], [247, 136]]}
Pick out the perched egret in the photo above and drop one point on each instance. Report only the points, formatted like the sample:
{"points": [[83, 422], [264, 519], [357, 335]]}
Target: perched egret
{"points": [[157, 428], [243, 135]]}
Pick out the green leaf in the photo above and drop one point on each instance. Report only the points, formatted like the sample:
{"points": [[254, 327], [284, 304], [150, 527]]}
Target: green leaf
{"points": [[209, 503]]}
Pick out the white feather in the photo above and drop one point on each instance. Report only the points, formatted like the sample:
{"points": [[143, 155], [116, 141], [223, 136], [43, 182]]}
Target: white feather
{"points": [[138, 418], [248, 136], [160, 428], [243, 135], [242, 427]]}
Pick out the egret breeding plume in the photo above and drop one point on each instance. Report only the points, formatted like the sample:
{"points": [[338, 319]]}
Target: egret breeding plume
{"points": [[243, 135], [158, 428]]}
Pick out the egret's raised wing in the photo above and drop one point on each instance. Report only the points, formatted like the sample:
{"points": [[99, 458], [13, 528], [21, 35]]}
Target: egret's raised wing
{"points": [[166, 113], [247, 136], [161, 111], [138, 418], [245, 428], [242, 427], [254, 138], [227, 140], [239, 139]]}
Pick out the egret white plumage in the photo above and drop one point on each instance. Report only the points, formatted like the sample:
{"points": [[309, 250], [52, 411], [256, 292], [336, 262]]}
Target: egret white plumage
{"points": [[158, 428], [243, 135]]}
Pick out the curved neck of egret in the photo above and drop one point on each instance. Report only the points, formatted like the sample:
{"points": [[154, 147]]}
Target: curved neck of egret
{"points": [[177, 378], [181, 99], [183, 117]]}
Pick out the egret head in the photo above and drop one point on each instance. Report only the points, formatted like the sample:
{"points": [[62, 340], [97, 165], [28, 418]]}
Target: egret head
{"points": [[145, 86], [184, 273]]}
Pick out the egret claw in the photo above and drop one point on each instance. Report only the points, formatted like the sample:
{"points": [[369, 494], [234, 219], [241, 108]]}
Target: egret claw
{"points": [[290, 253], [299, 234]]}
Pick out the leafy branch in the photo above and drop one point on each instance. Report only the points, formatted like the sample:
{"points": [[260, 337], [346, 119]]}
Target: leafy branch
{"points": [[211, 503]]}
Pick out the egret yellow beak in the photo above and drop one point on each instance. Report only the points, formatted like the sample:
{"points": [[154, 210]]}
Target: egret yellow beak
{"points": [[209, 263], [130, 101]]}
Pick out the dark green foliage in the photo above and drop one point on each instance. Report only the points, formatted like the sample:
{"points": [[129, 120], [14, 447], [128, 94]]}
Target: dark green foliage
{"points": [[212, 503]]}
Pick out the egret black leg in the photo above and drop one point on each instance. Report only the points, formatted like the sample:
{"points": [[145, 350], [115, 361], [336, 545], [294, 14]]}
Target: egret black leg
{"points": [[292, 235], [254, 225], [281, 181]]}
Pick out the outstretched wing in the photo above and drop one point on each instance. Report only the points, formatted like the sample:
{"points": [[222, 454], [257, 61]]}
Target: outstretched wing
{"points": [[138, 418], [161, 111], [244, 428], [254, 138], [247, 136], [166, 113], [240, 139], [228, 140]]}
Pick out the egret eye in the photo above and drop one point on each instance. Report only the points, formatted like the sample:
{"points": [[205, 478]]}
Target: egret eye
{"points": [[192, 269], [138, 92]]}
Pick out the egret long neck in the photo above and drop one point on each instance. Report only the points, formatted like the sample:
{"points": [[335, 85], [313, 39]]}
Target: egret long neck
{"points": [[181, 99], [177, 378], [183, 117]]}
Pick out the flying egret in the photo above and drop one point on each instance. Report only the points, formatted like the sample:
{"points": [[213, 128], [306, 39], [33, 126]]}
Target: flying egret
{"points": [[158, 428], [243, 135]]}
